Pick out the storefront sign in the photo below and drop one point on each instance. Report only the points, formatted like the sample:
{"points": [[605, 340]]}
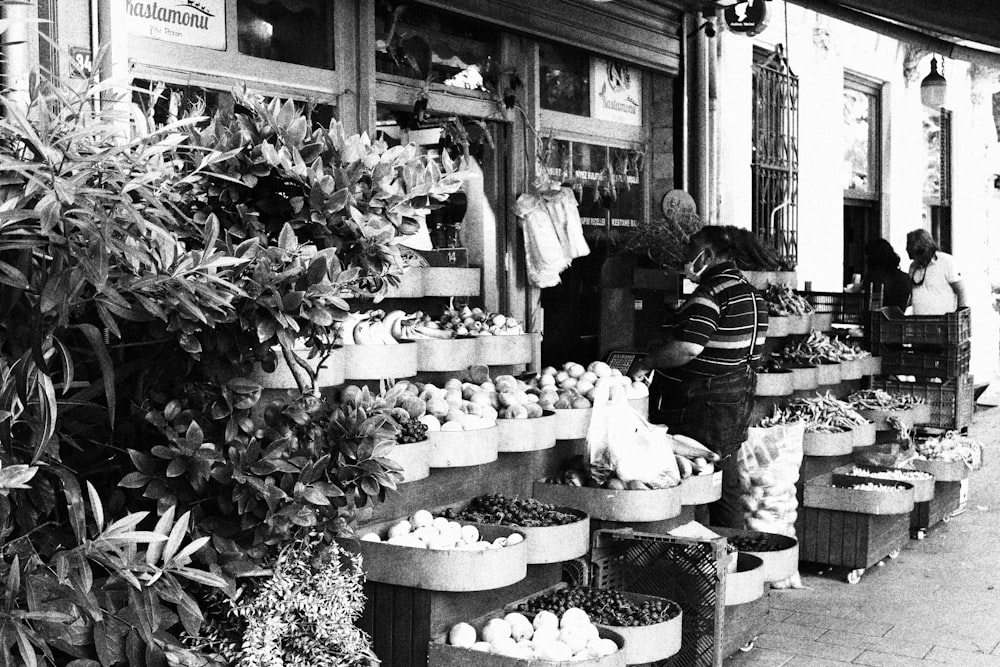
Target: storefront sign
{"points": [[615, 92], [190, 22], [747, 17]]}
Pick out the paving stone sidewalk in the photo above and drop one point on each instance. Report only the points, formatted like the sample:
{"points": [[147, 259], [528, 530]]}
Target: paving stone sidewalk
{"points": [[937, 603]]}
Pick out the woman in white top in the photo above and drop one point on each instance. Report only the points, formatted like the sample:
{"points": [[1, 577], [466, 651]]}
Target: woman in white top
{"points": [[937, 282]]}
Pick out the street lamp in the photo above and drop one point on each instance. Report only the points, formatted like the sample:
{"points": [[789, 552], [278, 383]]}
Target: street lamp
{"points": [[934, 88]]}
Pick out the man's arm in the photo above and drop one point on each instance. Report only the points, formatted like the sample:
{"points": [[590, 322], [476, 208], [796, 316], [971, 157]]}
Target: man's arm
{"points": [[958, 287], [670, 355]]}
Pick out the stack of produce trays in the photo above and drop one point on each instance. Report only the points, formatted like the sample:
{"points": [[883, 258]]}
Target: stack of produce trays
{"points": [[882, 408], [553, 534], [789, 312], [779, 554], [833, 427], [835, 360]]}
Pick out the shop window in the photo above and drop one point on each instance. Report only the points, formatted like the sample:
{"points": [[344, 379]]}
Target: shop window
{"points": [[434, 46], [564, 79], [937, 175], [775, 153], [299, 32]]}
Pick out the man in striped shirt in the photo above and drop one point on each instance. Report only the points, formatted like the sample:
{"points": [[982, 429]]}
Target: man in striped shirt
{"points": [[703, 382]]}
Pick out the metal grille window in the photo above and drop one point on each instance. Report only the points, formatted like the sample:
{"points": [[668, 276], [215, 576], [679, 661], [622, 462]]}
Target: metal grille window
{"points": [[775, 161], [937, 178]]}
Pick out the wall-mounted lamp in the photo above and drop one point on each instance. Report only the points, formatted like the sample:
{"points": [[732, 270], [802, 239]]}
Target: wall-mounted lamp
{"points": [[934, 88]]}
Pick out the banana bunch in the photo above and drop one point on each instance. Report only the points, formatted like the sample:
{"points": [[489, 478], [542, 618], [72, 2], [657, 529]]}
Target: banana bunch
{"points": [[372, 328], [419, 326]]}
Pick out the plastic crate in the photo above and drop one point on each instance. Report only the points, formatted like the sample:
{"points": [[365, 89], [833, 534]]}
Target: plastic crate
{"points": [[846, 307], [952, 402], [890, 326], [926, 361], [690, 572]]}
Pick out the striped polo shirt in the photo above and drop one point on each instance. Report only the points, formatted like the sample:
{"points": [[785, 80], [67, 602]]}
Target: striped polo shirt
{"points": [[720, 316]]}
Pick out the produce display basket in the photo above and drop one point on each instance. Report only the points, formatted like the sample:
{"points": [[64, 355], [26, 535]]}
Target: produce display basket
{"points": [[330, 370], [871, 365], [375, 362], [951, 403], [926, 361], [572, 424], [613, 504], [805, 378], [701, 489], [822, 321], [527, 435], [831, 492], [864, 434], [889, 325], [450, 281], [643, 644], [853, 369], [778, 564], [506, 350], [775, 383], [841, 307], [451, 570], [414, 457], [828, 372], [690, 572], [746, 583], [458, 449], [799, 324], [777, 326], [923, 489], [943, 471], [917, 414], [552, 544], [437, 355], [818, 443]]}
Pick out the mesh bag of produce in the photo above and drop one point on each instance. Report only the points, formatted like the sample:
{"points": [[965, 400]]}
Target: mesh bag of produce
{"points": [[769, 468]]}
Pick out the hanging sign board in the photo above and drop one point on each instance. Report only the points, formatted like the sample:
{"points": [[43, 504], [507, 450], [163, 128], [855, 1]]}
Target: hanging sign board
{"points": [[747, 17], [189, 22], [615, 92]]}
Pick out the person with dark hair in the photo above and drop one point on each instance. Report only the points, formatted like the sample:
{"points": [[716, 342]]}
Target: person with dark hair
{"points": [[703, 380], [937, 282], [883, 273]]}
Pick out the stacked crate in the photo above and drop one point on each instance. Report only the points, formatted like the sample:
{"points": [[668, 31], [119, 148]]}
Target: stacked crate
{"points": [[932, 354]]}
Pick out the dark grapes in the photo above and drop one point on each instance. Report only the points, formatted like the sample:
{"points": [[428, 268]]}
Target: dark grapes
{"points": [[753, 543], [412, 430], [512, 511], [604, 606]]}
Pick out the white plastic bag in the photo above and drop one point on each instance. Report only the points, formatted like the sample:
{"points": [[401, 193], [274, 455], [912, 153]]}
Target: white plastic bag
{"points": [[621, 441]]}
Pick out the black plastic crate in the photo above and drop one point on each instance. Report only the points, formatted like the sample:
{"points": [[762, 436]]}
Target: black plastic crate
{"points": [[689, 572], [890, 326], [952, 401], [926, 360], [846, 307]]}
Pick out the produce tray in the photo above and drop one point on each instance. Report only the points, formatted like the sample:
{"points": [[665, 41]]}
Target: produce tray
{"points": [[871, 365], [455, 354], [613, 504], [842, 307], [910, 416], [806, 378], [506, 350], [777, 326], [643, 644], [775, 383], [527, 435], [926, 361], [701, 489], [571, 424], [746, 583], [442, 654], [822, 321], [853, 369], [825, 492], [458, 449], [864, 435], [779, 564], [923, 489], [889, 325], [828, 373], [799, 324], [943, 471], [330, 370], [441, 570], [415, 458], [817, 443], [951, 403], [688, 571], [375, 362], [548, 544]]}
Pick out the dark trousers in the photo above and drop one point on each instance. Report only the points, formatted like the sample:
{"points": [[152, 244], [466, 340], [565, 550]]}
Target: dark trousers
{"points": [[715, 412]]}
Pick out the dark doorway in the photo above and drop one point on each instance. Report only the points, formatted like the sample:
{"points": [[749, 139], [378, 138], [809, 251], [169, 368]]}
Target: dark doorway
{"points": [[861, 225]]}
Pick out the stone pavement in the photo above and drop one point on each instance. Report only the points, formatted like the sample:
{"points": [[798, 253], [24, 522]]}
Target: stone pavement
{"points": [[937, 603]]}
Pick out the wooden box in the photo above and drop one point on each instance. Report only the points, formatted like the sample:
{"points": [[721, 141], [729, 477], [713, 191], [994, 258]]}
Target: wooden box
{"points": [[506, 350], [457, 449], [415, 458], [701, 489], [849, 539], [527, 435], [775, 383], [613, 504], [746, 583], [572, 424], [438, 355], [375, 362], [442, 570]]}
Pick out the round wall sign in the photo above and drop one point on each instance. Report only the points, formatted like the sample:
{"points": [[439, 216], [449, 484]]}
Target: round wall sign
{"points": [[747, 17]]}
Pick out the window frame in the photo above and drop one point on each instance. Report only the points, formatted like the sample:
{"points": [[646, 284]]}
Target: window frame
{"points": [[874, 89]]}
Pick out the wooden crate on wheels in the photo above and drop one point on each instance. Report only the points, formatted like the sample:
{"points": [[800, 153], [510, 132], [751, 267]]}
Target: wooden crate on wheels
{"points": [[938, 509]]}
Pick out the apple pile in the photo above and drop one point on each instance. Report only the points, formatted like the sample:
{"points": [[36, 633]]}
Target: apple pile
{"points": [[424, 531], [573, 386], [547, 637], [446, 408]]}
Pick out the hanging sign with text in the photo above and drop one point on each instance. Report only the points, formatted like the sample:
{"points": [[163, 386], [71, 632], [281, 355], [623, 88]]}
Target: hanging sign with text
{"points": [[615, 92], [189, 22]]}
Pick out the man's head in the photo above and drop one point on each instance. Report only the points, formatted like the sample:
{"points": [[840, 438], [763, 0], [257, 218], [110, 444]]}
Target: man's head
{"points": [[707, 247], [920, 246]]}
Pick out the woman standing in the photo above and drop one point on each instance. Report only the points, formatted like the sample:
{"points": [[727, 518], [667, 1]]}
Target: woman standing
{"points": [[884, 275], [937, 282]]}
